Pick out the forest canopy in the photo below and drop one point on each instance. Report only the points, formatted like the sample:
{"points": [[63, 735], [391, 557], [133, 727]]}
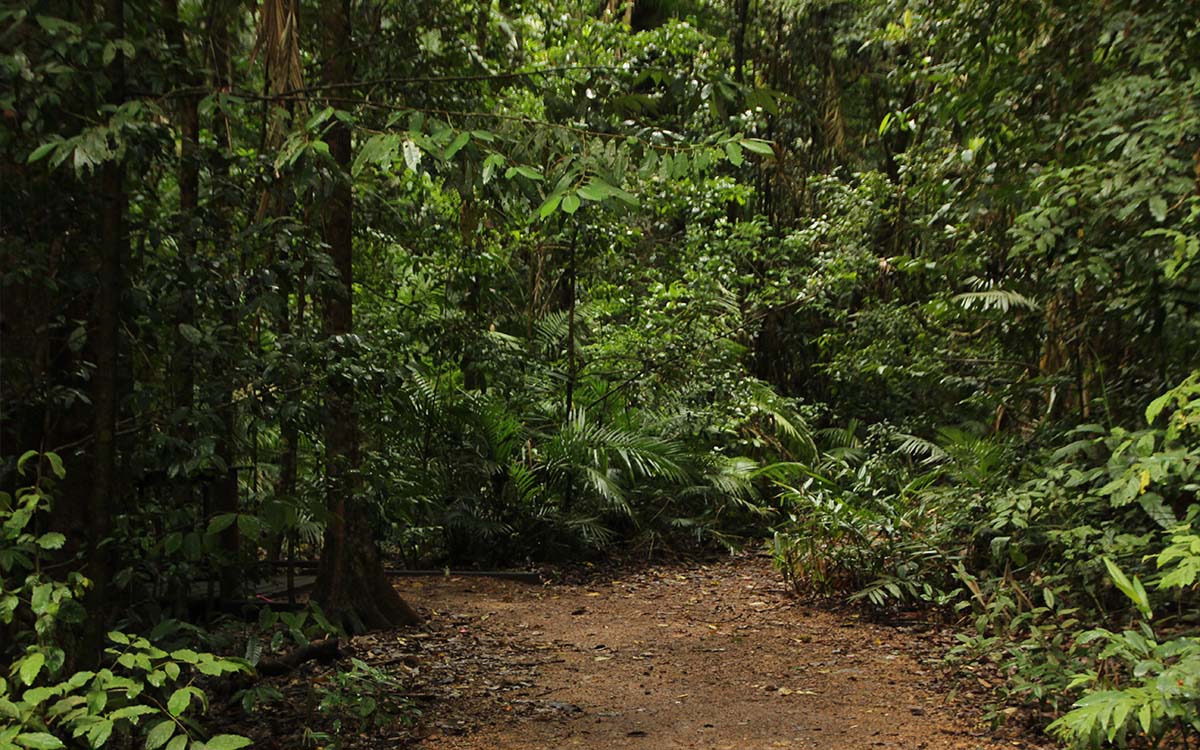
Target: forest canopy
{"points": [[903, 293]]}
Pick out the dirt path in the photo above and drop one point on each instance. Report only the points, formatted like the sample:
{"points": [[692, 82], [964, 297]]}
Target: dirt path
{"points": [[712, 657]]}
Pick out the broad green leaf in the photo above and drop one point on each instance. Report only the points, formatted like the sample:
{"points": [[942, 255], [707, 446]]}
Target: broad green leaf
{"points": [[51, 540], [757, 146], [191, 334], [24, 459], [97, 699], [489, 166], [221, 522], [99, 733], [179, 700], [734, 152], [39, 741], [41, 152], [54, 25], [527, 172], [56, 465], [30, 666], [249, 525], [596, 190], [570, 203], [178, 742], [549, 205], [1157, 405], [38, 695], [457, 145], [227, 742], [159, 734]]}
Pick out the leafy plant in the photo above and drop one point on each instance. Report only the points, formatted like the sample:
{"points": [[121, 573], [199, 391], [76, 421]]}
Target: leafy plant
{"points": [[362, 698], [1143, 684], [139, 689]]}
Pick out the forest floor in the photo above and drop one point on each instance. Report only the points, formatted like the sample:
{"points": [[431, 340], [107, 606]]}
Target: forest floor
{"points": [[708, 656]]}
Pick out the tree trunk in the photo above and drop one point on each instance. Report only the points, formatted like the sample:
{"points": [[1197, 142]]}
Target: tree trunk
{"points": [[182, 360], [225, 491], [104, 343], [739, 40], [351, 583]]}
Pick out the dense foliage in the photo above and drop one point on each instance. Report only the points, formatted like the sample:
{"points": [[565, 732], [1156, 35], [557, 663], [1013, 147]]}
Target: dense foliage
{"points": [[904, 290]]}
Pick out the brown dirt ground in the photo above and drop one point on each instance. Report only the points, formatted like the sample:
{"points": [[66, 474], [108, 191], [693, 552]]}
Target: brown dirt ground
{"points": [[715, 657]]}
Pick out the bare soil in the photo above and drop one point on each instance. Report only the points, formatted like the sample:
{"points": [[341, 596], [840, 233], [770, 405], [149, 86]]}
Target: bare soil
{"points": [[717, 657]]}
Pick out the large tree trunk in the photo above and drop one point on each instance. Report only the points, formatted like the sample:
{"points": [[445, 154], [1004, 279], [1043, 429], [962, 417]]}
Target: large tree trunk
{"points": [[183, 378], [224, 490], [351, 584], [104, 347]]}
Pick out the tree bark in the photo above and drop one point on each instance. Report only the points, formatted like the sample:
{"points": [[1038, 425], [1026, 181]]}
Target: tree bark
{"points": [[351, 583], [182, 359], [739, 40], [225, 490], [104, 345]]}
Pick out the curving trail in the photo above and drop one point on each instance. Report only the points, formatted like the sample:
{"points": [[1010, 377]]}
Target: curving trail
{"points": [[712, 657]]}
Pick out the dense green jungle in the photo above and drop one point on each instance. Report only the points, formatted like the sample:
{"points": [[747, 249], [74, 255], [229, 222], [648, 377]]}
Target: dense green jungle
{"points": [[901, 294]]}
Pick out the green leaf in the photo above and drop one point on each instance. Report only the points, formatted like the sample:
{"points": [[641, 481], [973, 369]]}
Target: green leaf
{"points": [[30, 666], [41, 152], [570, 203], [249, 525], [178, 743], [527, 172], [1132, 589], [489, 166], [159, 734], [190, 334], [1158, 208], [97, 699], [133, 713], [457, 145], [549, 205], [54, 25], [596, 190], [56, 465], [227, 742], [221, 522], [24, 459], [1146, 717], [179, 701], [51, 540], [99, 733], [757, 146], [734, 152], [39, 741], [1157, 405]]}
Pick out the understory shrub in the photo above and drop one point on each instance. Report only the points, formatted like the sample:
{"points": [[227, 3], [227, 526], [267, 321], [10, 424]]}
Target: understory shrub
{"points": [[140, 690]]}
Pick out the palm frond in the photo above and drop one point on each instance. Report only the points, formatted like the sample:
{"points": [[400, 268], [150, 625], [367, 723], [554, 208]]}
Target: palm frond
{"points": [[927, 451], [986, 296]]}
